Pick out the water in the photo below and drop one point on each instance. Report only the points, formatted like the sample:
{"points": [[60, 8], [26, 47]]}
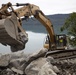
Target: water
{"points": [[35, 43]]}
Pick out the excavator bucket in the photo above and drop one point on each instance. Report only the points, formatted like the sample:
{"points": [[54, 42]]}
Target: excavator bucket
{"points": [[10, 33]]}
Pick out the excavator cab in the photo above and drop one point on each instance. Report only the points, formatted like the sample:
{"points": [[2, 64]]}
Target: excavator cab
{"points": [[60, 42]]}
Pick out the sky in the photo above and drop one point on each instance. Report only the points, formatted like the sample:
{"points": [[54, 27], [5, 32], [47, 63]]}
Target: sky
{"points": [[49, 6]]}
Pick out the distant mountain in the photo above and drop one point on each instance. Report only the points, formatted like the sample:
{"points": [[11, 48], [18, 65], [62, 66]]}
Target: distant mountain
{"points": [[35, 26]]}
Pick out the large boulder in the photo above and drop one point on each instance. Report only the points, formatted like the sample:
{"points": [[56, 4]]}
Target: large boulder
{"points": [[47, 69], [7, 58], [4, 60], [40, 66], [18, 65]]}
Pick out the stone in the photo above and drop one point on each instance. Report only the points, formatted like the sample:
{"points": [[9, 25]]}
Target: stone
{"points": [[9, 71], [17, 70], [34, 66], [39, 66], [46, 69], [40, 53], [4, 60], [55, 69], [18, 65], [51, 60]]}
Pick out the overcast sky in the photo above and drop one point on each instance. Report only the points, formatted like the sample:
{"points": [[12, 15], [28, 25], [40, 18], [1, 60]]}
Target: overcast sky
{"points": [[49, 6]]}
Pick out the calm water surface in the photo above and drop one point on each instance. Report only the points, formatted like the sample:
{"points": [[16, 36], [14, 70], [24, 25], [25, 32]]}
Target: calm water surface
{"points": [[35, 42]]}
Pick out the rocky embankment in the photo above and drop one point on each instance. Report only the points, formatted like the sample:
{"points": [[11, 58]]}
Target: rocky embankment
{"points": [[35, 64]]}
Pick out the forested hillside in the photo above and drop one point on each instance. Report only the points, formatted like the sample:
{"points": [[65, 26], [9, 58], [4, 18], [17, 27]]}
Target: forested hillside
{"points": [[35, 26]]}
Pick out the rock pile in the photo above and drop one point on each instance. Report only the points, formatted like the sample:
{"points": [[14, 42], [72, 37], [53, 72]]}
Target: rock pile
{"points": [[35, 64], [66, 67]]}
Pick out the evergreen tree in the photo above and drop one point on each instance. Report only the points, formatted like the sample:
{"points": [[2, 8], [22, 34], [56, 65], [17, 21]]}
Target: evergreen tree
{"points": [[70, 26]]}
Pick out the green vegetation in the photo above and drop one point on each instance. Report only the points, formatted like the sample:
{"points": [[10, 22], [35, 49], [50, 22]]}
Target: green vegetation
{"points": [[70, 26]]}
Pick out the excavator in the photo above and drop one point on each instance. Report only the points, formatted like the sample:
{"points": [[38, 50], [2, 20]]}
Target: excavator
{"points": [[12, 33]]}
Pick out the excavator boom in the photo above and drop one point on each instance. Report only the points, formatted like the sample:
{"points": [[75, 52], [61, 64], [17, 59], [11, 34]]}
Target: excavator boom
{"points": [[29, 10]]}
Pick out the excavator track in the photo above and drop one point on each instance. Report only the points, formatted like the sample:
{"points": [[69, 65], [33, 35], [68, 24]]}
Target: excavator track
{"points": [[62, 54]]}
